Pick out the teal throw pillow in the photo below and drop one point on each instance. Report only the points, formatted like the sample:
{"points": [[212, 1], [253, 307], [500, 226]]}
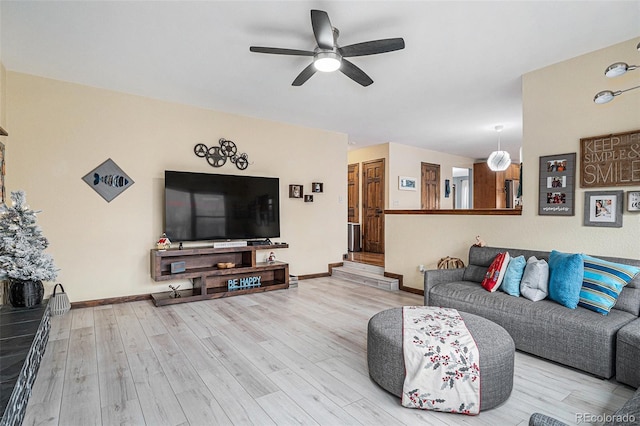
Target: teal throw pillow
{"points": [[602, 283], [513, 276], [566, 271]]}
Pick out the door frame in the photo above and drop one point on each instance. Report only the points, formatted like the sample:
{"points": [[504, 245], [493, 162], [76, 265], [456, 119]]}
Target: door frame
{"points": [[356, 167]]}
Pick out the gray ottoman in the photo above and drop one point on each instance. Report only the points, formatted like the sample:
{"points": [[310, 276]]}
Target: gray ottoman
{"points": [[627, 354], [495, 345]]}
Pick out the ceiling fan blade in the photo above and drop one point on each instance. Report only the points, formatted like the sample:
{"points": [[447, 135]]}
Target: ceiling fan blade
{"points": [[304, 75], [279, 51], [355, 73], [372, 47], [322, 29]]}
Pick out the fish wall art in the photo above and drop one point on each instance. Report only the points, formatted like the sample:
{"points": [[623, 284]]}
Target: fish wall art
{"points": [[108, 180]]}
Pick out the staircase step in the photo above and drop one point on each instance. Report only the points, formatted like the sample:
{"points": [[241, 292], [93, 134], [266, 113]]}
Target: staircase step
{"points": [[364, 267], [360, 276]]}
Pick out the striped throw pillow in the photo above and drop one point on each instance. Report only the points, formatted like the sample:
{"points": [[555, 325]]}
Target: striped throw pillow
{"points": [[603, 281]]}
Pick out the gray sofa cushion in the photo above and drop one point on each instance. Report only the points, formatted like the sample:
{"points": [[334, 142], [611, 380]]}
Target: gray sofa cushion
{"points": [[576, 337]]}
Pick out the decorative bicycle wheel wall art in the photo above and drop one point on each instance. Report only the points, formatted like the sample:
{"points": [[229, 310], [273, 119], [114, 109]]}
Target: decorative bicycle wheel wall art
{"points": [[217, 156]]}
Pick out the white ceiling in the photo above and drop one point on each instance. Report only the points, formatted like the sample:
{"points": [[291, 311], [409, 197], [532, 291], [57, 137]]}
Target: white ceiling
{"points": [[458, 76]]}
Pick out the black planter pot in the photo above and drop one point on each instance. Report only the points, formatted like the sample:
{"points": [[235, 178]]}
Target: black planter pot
{"points": [[25, 294]]}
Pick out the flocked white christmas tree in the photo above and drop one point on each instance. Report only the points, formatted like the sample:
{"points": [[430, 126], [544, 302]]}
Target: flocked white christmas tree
{"points": [[22, 244]]}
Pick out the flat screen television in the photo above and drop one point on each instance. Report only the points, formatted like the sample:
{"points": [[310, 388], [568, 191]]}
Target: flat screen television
{"points": [[203, 206]]}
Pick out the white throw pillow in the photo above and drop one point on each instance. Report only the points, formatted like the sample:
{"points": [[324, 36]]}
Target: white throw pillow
{"points": [[535, 280]]}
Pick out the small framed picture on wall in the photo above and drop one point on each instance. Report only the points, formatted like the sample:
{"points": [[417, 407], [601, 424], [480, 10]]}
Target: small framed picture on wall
{"points": [[633, 201], [556, 185], [603, 208], [295, 191], [407, 183]]}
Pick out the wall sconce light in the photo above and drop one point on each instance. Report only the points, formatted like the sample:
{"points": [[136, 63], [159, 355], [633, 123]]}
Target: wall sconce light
{"points": [[615, 70]]}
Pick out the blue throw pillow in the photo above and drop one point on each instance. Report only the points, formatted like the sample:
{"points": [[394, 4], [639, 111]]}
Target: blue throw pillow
{"points": [[603, 281], [513, 276], [566, 271]]}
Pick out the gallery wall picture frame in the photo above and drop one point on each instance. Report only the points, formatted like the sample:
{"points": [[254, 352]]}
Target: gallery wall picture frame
{"points": [[296, 191], [609, 160], [317, 187], [556, 195], [603, 208], [407, 183], [633, 201], [108, 180], [308, 198]]}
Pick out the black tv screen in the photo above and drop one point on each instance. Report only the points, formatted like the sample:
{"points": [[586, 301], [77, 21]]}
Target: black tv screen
{"points": [[203, 206]]}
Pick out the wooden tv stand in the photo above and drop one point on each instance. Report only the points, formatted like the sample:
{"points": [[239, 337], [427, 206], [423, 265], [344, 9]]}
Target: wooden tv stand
{"points": [[210, 282]]}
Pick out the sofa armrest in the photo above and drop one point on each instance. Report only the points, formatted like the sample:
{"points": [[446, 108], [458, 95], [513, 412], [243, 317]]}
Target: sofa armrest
{"points": [[434, 277]]}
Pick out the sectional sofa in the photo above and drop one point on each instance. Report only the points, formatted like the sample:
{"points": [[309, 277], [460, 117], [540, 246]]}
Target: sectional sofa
{"points": [[578, 338]]}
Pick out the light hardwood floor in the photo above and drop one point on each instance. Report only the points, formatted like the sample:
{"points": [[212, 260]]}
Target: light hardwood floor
{"points": [[294, 356]]}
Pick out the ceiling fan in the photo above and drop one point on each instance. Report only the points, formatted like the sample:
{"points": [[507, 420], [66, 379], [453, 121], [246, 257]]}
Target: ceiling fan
{"points": [[328, 56]]}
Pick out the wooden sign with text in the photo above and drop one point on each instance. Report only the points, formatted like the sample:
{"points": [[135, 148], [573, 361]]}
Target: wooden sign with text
{"points": [[610, 160]]}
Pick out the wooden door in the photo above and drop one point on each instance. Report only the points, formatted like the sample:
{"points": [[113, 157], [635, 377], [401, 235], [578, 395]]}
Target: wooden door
{"points": [[430, 179], [353, 195], [484, 186], [373, 206]]}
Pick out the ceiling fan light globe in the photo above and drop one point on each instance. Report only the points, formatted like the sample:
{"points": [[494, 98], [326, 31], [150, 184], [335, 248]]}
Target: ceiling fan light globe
{"points": [[499, 161], [617, 69], [327, 61], [603, 97]]}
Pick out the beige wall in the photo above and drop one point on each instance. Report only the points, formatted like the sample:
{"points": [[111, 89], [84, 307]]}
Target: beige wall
{"points": [[61, 131], [407, 160], [558, 110]]}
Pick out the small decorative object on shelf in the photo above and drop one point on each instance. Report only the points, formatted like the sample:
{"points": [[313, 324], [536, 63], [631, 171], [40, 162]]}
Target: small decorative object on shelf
{"points": [[308, 198], [226, 265], [174, 291], [317, 187], [22, 258], [163, 243], [217, 156], [271, 258], [242, 283], [295, 191]]}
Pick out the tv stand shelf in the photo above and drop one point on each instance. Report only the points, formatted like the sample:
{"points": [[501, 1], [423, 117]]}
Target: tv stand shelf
{"points": [[210, 282]]}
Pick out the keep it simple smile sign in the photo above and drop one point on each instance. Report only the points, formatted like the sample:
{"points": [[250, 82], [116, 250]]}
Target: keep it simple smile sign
{"points": [[610, 160]]}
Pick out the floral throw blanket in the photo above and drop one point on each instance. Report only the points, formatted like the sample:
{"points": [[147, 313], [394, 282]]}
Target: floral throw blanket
{"points": [[441, 361]]}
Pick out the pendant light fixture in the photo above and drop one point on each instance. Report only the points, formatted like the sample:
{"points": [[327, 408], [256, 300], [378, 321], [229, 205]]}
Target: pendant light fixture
{"points": [[615, 70], [499, 160]]}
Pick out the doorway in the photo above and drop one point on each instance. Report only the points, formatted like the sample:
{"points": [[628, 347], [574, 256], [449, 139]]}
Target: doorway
{"points": [[430, 176], [353, 193], [373, 182], [462, 190]]}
